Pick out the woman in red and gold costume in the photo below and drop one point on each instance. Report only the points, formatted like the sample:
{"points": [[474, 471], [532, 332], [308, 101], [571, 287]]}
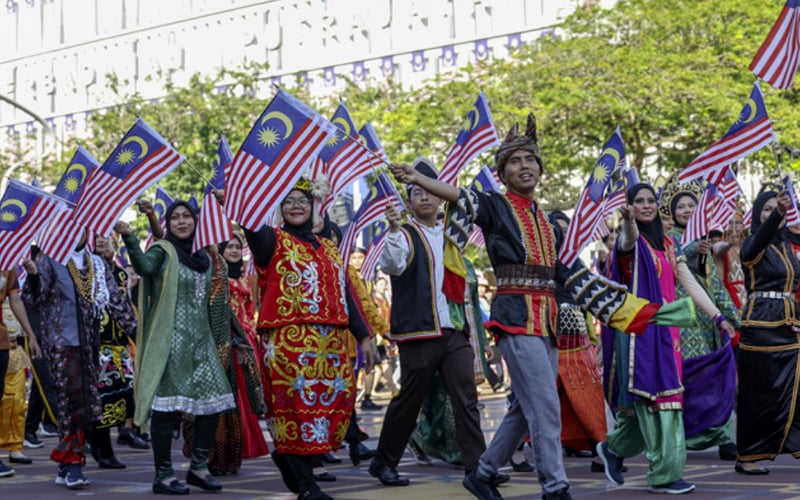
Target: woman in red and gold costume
{"points": [[241, 298], [302, 326]]}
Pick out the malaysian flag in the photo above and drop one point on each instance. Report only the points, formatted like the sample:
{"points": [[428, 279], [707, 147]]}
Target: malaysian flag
{"points": [[751, 132], [792, 216], [139, 161], [286, 137], [213, 226], [24, 211], [162, 201], [747, 220], [777, 58], [725, 202], [621, 179], [589, 210], [372, 209], [697, 226], [477, 136], [193, 203], [345, 157], [372, 256], [62, 233]]}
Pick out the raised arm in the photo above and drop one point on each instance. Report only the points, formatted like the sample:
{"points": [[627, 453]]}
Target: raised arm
{"points": [[407, 175], [145, 264]]}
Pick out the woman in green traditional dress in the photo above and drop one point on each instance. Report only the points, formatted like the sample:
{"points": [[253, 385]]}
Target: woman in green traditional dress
{"points": [[708, 415], [179, 369]]}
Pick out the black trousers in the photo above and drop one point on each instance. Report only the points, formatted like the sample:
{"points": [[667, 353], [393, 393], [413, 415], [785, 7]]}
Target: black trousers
{"points": [[37, 411], [452, 356]]}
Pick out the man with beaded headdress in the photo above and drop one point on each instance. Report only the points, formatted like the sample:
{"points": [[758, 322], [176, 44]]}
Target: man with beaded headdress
{"points": [[707, 414], [71, 300], [523, 247]]}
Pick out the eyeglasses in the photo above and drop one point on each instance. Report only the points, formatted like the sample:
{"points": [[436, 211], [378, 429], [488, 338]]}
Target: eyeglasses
{"points": [[301, 202]]}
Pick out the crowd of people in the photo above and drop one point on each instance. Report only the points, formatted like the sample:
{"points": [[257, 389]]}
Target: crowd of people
{"points": [[698, 345]]}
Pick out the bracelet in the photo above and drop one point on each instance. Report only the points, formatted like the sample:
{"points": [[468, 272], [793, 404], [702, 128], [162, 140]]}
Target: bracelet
{"points": [[719, 318]]}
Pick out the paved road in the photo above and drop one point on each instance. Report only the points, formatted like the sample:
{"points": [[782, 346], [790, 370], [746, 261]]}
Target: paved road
{"points": [[259, 479]]}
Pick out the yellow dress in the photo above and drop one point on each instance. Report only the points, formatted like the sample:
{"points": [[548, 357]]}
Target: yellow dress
{"points": [[13, 406]]}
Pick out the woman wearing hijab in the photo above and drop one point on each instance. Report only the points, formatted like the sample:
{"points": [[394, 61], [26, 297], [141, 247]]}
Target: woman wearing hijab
{"points": [[247, 375], [238, 434], [708, 407], [643, 373], [181, 297], [303, 323], [768, 409]]}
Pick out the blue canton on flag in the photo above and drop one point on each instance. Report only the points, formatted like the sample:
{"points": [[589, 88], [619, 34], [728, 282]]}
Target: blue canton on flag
{"points": [[139, 161], [477, 135], [80, 167], [589, 210], [285, 138], [751, 131]]}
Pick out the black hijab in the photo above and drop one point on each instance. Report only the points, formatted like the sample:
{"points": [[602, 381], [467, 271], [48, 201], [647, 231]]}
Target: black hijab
{"points": [[653, 232], [758, 207], [330, 229], [198, 262], [234, 268], [304, 231]]}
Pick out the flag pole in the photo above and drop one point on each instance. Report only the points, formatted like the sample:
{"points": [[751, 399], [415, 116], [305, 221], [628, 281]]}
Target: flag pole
{"points": [[199, 174]]}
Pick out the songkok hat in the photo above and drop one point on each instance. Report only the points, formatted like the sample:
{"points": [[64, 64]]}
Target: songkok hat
{"points": [[425, 167], [515, 142]]}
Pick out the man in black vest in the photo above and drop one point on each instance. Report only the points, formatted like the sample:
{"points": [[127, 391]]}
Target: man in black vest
{"points": [[426, 336]]}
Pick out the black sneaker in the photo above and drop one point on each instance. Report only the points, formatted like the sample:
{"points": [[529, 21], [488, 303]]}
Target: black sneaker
{"points": [[367, 404], [481, 488], [679, 487], [612, 464], [5, 470], [419, 455], [31, 441]]}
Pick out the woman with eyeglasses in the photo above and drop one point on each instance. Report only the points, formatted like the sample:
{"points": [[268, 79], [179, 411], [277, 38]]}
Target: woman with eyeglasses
{"points": [[302, 324]]}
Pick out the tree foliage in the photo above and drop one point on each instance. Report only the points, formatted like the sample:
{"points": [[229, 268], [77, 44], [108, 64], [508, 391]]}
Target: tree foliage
{"points": [[672, 75]]}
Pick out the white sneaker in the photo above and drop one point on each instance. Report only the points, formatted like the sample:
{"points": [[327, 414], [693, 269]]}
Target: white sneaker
{"points": [[45, 433]]}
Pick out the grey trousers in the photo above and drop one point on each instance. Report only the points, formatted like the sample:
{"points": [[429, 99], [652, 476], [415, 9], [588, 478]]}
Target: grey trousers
{"points": [[536, 411]]}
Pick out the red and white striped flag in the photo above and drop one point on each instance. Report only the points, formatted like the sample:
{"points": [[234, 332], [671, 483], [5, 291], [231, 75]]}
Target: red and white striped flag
{"points": [[213, 226], [371, 210], [792, 216], [751, 132], [372, 256], [283, 141], [24, 211], [476, 237], [725, 202], [475, 138], [777, 58], [345, 157], [139, 161], [747, 220], [589, 210]]}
